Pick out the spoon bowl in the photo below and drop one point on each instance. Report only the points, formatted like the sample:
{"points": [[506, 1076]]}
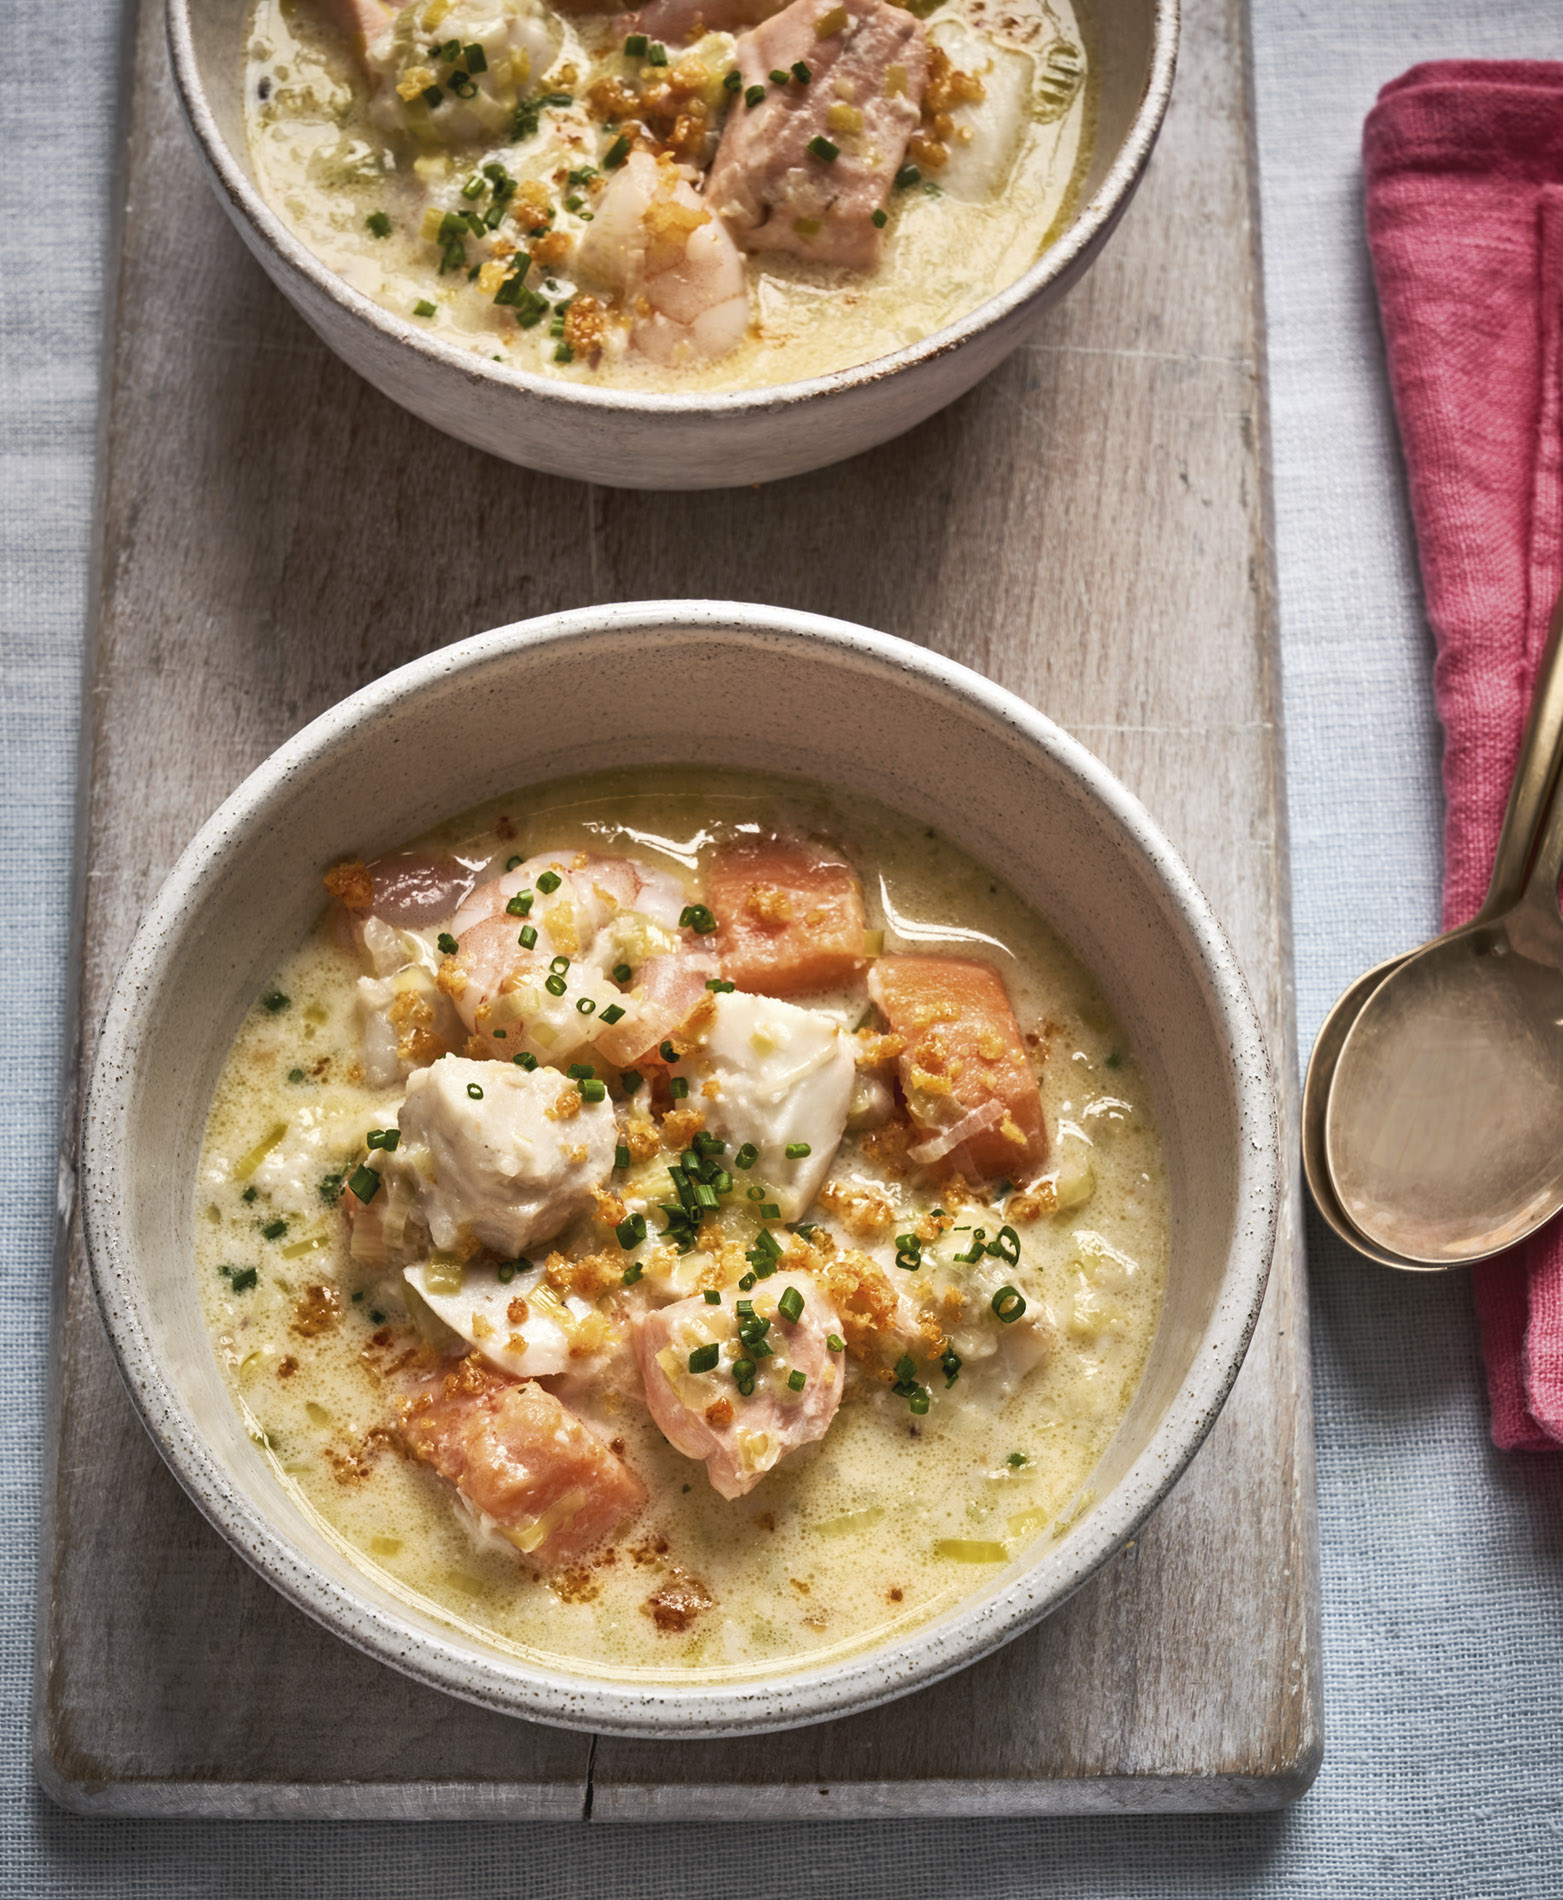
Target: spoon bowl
{"points": [[1442, 1133]]}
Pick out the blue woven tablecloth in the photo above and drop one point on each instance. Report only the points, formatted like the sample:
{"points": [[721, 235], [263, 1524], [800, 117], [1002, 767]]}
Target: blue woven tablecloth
{"points": [[1442, 1562]]}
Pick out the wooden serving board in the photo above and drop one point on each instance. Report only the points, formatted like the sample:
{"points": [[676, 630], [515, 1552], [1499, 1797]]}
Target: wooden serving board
{"points": [[1089, 528]]}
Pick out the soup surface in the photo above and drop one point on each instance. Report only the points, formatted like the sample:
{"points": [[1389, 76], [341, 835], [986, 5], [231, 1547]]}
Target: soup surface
{"points": [[706, 194], [677, 1221]]}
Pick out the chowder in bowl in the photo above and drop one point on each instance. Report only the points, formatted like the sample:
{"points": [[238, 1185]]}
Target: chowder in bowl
{"points": [[774, 1284], [692, 246]]}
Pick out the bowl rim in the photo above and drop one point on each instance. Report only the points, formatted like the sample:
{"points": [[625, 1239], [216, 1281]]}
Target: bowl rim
{"points": [[863, 1678], [1089, 225]]}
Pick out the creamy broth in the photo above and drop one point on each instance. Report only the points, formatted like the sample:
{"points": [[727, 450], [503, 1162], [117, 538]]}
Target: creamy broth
{"points": [[405, 214], [905, 1504]]}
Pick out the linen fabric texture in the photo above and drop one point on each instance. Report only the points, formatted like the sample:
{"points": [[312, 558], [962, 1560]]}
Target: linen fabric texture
{"points": [[1463, 168]]}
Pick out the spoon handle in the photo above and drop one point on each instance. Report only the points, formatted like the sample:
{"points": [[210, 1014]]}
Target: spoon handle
{"points": [[1541, 752]]}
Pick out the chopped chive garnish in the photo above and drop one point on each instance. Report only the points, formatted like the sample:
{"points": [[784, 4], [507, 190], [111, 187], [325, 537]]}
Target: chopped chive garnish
{"points": [[747, 1281], [526, 1060], [633, 1272], [631, 1231], [580, 1072], [274, 1002], [475, 1090], [423, 308], [364, 1182], [753, 96], [241, 1279], [721, 985], [880, 219], [379, 224], [564, 353], [746, 1156], [549, 882], [386, 1138], [769, 1211], [475, 186], [432, 96], [295, 1075], [528, 937], [505, 1272], [656, 54], [906, 177], [835, 1343], [1015, 1460], [630, 1080], [779, 76], [821, 147], [613, 1013], [733, 81], [797, 1150], [797, 1379], [697, 918], [918, 1401], [616, 154], [950, 1363], [1006, 1246], [554, 985], [447, 943], [705, 1195], [704, 1358], [756, 1193], [250, 1193], [585, 1006], [745, 1309], [1008, 1303], [908, 1252], [622, 973], [513, 864], [477, 59], [520, 905], [713, 1298], [801, 73], [559, 965], [592, 1091], [635, 46], [743, 1376], [790, 1306], [906, 1369], [668, 1052], [621, 1156], [274, 1230], [501, 1035], [678, 1088]]}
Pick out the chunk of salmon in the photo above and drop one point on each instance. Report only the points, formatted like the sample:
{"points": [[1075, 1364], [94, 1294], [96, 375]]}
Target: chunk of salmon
{"points": [[806, 169], [682, 22], [527, 1469], [964, 1071], [790, 915], [359, 21], [740, 1436]]}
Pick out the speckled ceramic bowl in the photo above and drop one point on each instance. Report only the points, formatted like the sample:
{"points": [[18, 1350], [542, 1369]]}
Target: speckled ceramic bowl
{"points": [[944, 746], [629, 440]]}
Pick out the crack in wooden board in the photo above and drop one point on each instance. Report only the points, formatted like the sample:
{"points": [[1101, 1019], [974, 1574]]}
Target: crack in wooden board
{"points": [[1088, 528]]}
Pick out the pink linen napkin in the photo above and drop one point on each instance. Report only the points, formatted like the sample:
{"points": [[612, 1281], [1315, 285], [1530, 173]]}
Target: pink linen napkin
{"points": [[1463, 164]]}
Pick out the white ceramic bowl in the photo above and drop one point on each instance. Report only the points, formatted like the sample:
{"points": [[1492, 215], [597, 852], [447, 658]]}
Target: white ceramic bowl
{"points": [[811, 697], [628, 440]]}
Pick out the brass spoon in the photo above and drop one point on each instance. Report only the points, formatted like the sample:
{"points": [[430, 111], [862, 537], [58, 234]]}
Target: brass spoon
{"points": [[1433, 1110]]}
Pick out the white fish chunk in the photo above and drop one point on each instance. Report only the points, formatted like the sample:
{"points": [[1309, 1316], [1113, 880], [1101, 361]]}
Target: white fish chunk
{"points": [[493, 1158], [783, 1077], [989, 130]]}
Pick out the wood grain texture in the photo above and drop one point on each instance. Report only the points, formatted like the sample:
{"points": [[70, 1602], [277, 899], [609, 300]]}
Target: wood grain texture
{"points": [[1089, 529]]}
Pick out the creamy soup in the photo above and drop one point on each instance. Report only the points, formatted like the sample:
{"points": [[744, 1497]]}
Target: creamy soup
{"points": [[706, 194], [676, 1222]]}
